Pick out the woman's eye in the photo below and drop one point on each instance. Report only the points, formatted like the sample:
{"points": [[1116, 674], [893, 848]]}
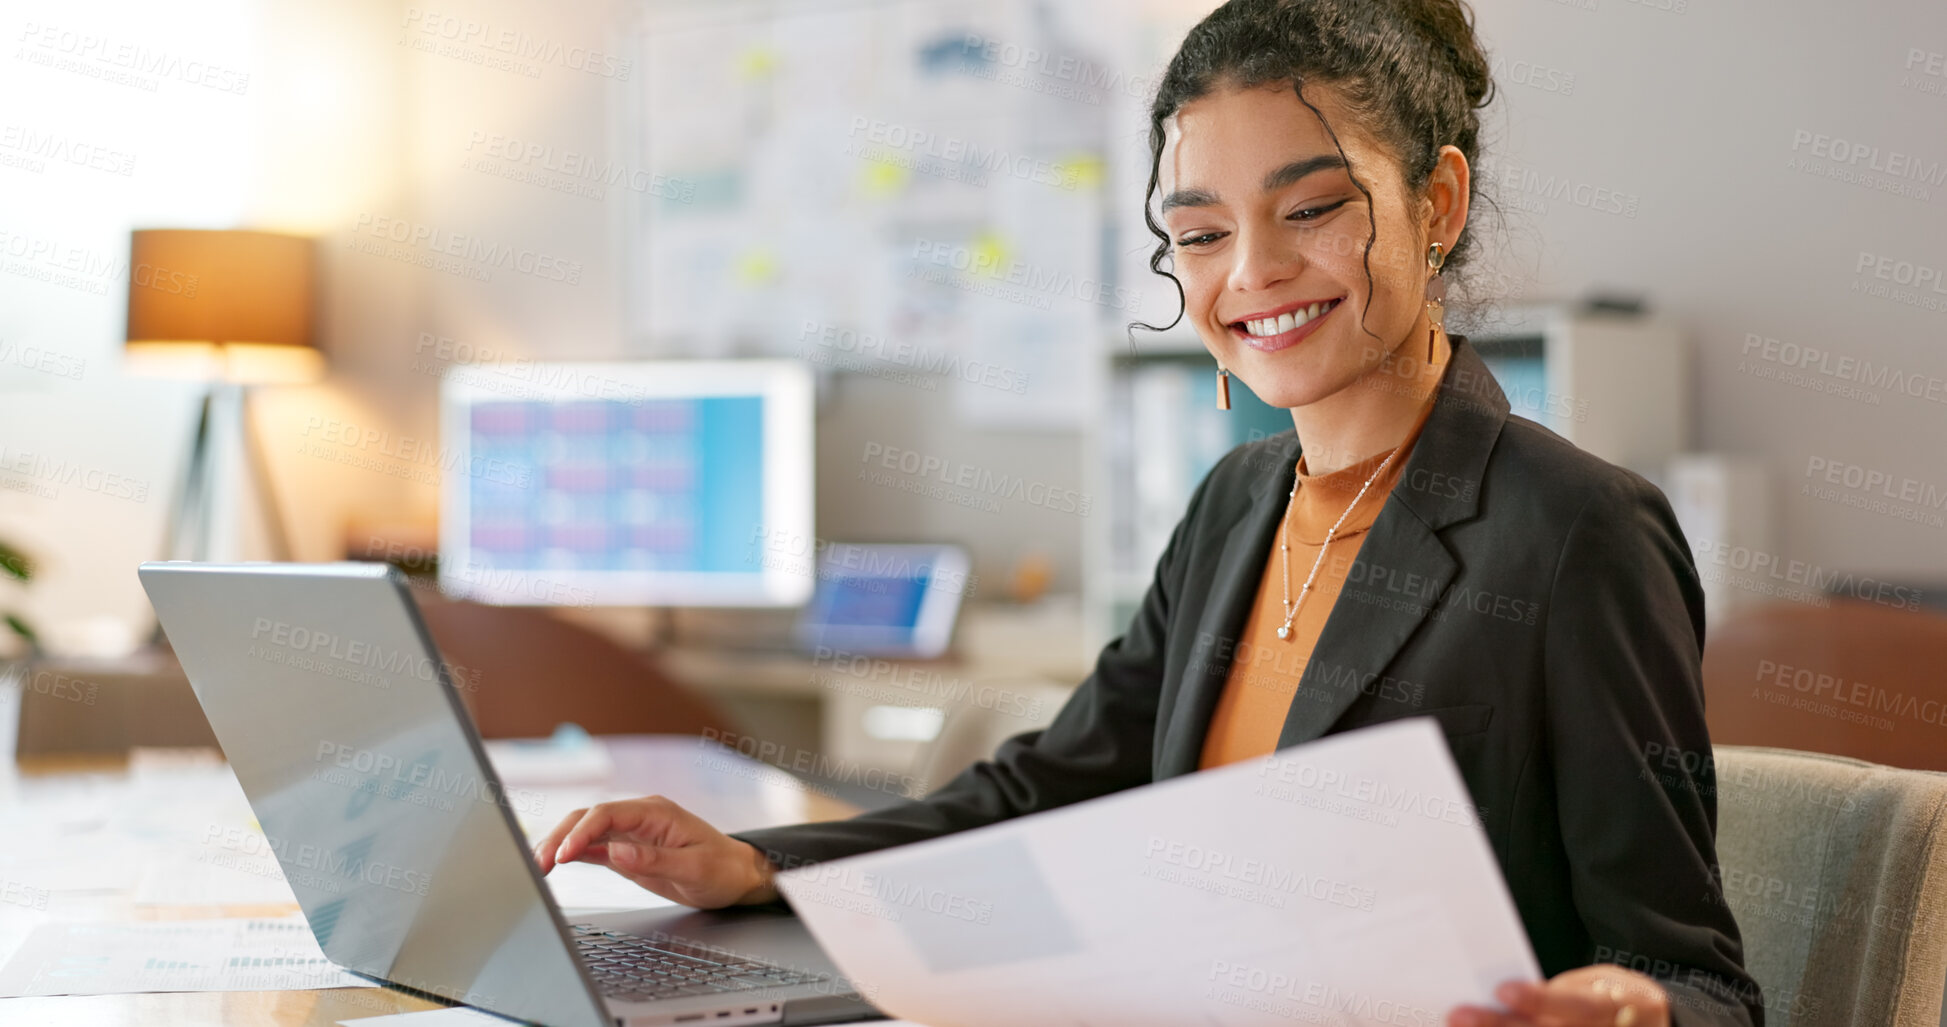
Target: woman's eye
{"points": [[1316, 212], [1199, 240]]}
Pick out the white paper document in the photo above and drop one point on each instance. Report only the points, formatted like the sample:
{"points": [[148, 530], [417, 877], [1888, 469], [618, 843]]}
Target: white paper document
{"points": [[1346, 881], [171, 955]]}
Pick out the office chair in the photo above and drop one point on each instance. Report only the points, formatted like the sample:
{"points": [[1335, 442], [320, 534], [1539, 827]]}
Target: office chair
{"points": [[1836, 870], [1854, 679], [522, 672]]}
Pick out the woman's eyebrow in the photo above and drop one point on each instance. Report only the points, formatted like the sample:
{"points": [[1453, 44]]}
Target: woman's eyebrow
{"points": [[1287, 175], [1298, 169]]}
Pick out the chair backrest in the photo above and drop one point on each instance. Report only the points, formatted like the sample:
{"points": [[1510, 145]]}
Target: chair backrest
{"points": [[1853, 678], [996, 709], [523, 671], [1836, 870]]}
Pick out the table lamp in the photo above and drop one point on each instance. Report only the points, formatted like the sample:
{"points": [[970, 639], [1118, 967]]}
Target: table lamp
{"points": [[231, 309]]}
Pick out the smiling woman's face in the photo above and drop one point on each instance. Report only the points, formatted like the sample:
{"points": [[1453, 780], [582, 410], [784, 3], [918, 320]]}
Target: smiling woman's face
{"points": [[1268, 229]]}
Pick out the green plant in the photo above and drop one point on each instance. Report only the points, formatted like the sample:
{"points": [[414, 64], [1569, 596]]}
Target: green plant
{"points": [[14, 564]]}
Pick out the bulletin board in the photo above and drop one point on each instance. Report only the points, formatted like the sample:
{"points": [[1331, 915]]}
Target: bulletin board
{"points": [[900, 186]]}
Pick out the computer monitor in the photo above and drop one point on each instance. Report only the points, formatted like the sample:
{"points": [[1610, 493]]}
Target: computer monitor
{"points": [[646, 483]]}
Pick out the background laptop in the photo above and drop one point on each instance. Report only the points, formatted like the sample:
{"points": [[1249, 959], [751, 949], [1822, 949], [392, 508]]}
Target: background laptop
{"points": [[360, 762], [894, 601]]}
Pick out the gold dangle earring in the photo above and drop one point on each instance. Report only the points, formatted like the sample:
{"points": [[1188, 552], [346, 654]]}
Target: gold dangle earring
{"points": [[1223, 388], [1436, 293]]}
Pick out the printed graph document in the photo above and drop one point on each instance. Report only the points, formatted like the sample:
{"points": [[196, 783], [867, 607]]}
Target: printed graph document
{"points": [[1346, 881], [171, 955]]}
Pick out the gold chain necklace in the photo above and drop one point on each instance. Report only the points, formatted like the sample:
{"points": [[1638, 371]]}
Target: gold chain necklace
{"points": [[1284, 543]]}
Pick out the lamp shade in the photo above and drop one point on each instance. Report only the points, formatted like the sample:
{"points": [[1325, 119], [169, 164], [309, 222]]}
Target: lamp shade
{"points": [[221, 305]]}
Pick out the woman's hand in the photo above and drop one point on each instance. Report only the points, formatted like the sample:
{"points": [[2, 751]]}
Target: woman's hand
{"points": [[664, 848], [1603, 995]]}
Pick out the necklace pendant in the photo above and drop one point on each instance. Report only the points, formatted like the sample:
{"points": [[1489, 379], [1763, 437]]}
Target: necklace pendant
{"points": [[1284, 632]]}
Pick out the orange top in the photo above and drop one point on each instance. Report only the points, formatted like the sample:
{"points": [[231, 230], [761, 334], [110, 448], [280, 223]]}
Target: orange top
{"points": [[1264, 673]]}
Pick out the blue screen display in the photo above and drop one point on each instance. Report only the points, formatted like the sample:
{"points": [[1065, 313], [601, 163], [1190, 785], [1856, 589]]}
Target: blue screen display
{"points": [[658, 485], [872, 601]]}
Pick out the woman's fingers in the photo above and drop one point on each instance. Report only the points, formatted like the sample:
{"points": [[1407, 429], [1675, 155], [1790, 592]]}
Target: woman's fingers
{"points": [[658, 845], [545, 849], [647, 821], [1561, 1002], [593, 826], [680, 874]]}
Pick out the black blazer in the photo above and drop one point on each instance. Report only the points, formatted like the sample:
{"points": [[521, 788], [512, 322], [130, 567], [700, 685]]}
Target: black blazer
{"points": [[1540, 603]]}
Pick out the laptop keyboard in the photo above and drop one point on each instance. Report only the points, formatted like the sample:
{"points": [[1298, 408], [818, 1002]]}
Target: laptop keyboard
{"points": [[630, 967]]}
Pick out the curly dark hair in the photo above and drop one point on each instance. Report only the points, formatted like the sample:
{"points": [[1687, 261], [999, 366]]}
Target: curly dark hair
{"points": [[1411, 71]]}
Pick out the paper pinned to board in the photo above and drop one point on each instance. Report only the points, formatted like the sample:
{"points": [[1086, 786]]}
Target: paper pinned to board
{"points": [[115, 958], [1342, 881]]}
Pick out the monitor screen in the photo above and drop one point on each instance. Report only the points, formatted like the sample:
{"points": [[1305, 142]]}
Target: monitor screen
{"points": [[856, 600], [886, 599], [654, 484]]}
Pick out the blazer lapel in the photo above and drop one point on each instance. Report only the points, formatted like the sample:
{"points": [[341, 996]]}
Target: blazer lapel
{"points": [[1390, 589], [1233, 588], [1403, 567], [1393, 586]]}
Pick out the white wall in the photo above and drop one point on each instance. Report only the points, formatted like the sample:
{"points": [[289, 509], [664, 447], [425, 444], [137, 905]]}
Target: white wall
{"points": [[1697, 113]]}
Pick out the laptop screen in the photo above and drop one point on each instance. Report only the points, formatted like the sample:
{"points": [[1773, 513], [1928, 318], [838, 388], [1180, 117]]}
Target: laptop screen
{"points": [[342, 727]]}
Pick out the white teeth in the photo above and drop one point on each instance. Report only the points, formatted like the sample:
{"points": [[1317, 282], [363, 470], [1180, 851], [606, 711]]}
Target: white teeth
{"points": [[1269, 326]]}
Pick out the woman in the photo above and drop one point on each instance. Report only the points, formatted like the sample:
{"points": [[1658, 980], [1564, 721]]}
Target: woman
{"points": [[1423, 553]]}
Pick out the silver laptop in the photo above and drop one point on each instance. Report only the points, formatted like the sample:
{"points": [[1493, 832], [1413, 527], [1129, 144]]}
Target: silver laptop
{"points": [[339, 718]]}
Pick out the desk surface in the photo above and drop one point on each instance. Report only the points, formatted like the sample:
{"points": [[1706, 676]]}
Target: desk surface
{"points": [[729, 791]]}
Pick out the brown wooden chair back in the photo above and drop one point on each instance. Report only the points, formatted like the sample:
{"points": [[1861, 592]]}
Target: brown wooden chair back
{"points": [[523, 671], [1853, 679]]}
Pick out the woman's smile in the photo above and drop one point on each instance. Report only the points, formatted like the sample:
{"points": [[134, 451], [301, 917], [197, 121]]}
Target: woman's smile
{"points": [[1275, 329]]}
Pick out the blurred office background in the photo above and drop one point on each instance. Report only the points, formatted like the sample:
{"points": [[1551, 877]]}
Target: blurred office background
{"points": [[1709, 250]]}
